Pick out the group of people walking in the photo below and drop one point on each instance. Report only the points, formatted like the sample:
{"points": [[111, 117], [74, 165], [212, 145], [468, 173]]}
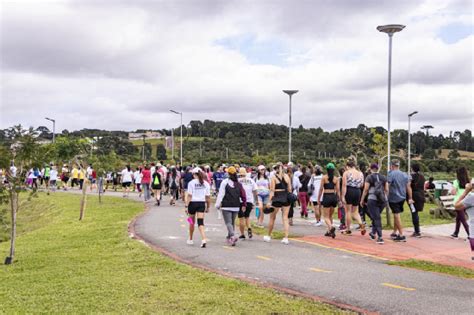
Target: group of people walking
{"points": [[278, 190]]}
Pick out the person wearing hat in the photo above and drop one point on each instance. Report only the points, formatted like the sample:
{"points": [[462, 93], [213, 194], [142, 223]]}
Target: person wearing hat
{"points": [[399, 188], [375, 201], [198, 201], [263, 192], [250, 188], [229, 200], [280, 188], [329, 194]]}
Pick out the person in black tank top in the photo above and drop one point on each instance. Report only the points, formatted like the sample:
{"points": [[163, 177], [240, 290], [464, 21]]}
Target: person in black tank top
{"points": [[330, 192], [280, 186]]}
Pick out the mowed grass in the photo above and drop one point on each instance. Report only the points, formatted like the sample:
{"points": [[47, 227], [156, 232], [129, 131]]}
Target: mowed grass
{"points": [[434, 267], [67, 266], [425, 217]]}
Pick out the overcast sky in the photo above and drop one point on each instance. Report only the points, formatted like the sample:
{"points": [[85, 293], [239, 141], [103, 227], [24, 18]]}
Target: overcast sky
{"points": [[122, 65]]}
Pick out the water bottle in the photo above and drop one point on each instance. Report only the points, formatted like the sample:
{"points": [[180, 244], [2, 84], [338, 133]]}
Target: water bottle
{"points": [[257, 212], [412, 207]]}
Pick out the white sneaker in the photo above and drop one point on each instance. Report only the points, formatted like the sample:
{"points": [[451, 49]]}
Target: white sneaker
{"points": [[190, 242], [319, 223], [267, 239], [285, 241]]}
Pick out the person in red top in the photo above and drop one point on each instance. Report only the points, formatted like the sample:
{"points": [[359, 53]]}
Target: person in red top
{"points": [[146, 179]]}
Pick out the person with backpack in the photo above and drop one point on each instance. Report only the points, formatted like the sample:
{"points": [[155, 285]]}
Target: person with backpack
{"points": [[376, 188], [314, 185], [174, 180], [157, 185], [231, 196]]}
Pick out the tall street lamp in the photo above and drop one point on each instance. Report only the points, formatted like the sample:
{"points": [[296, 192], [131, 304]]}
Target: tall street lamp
{"points": [[389, 30], [181, 130], [290, 93], [54, 126], [409, 139]]}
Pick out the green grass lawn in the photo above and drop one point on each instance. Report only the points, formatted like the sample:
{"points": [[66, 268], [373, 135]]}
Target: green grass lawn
{"points": [[429, 266], [66, 266], [425, 217]]}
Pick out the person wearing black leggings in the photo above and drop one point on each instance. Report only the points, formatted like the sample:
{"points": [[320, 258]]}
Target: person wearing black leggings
{"points": [[375, 206]]}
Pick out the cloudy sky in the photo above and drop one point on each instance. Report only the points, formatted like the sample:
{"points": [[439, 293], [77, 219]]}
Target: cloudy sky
{"points": [[116, 64]]}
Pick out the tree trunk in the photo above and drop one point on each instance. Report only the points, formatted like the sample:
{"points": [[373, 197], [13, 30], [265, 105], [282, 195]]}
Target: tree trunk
{"points": [[84, 200], [14, 211]]}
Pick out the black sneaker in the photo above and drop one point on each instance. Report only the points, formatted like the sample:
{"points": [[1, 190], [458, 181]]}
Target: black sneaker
{"points": [[380, 241], [332, 232], [242, 237], [372, 236], [455, 236], [400, 239], [249, 231], [327, 234], [393, 236], [417, 235]]}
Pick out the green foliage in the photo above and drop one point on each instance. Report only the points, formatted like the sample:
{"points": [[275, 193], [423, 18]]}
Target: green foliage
{"points": [[161, 152], [429, 154], [120, 146], [454, 154], [92, 266]]}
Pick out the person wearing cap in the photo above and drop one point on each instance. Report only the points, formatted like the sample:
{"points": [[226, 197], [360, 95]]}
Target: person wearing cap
{"points": [[229, 200], [329, 194], [352, 182], [280, 187], [399, 188], [263, 192], [250, 188], [375, 204], [197, 201]]}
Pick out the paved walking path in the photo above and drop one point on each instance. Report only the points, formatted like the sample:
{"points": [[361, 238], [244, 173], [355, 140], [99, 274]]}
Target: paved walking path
{"points": [[336, 275]]}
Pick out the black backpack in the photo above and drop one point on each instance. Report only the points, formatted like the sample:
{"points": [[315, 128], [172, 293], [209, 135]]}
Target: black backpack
{"points": [[379, 190], [173, 183]]}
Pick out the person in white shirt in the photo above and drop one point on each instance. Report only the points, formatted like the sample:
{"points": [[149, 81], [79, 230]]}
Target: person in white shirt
{"points": [[53, 177], [198, 201], [314, 185], [126, 180], [250, 188], [137, 176]]}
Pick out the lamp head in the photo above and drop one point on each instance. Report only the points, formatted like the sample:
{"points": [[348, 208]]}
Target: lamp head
{"points": [[175, 112], [390, 28], [414, 113], [290, 92]]}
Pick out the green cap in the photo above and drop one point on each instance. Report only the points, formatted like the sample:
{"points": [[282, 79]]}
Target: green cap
{"points": [[330, 166]]}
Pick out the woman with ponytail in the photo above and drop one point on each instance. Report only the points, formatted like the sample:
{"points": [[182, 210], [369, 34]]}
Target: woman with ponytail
{"points": [[230, 199], [329, 194], [197, 201], [280, 187]]}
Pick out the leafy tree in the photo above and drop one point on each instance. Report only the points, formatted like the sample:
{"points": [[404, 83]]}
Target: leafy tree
{"points": [[453, 154], [161, 152], [429, 154]]}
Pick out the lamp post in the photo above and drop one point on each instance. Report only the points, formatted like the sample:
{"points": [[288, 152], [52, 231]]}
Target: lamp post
{"points": [[409, 139], [290, 93], [54, 126], [172, 144], [181, 131], [389, 30]]}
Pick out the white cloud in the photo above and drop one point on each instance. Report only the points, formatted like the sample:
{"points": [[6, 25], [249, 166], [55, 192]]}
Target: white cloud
{"points": [[124, 64]]}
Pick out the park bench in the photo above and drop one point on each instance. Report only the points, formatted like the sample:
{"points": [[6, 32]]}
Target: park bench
{"points": [[445, 207]]}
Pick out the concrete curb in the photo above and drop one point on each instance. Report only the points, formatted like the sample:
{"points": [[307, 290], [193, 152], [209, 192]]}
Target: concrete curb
{"points": [[133, 234]]}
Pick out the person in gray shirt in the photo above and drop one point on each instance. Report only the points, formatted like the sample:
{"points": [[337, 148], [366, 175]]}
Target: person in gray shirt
{"points": [[466, 202], [398, 189]]}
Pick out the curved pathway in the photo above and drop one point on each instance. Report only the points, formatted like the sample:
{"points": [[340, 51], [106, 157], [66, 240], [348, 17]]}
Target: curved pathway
{"points": [[333, 275]]}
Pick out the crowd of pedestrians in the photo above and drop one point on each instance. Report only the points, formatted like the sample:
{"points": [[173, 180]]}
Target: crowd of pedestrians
{"points": [[351, 192]]}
